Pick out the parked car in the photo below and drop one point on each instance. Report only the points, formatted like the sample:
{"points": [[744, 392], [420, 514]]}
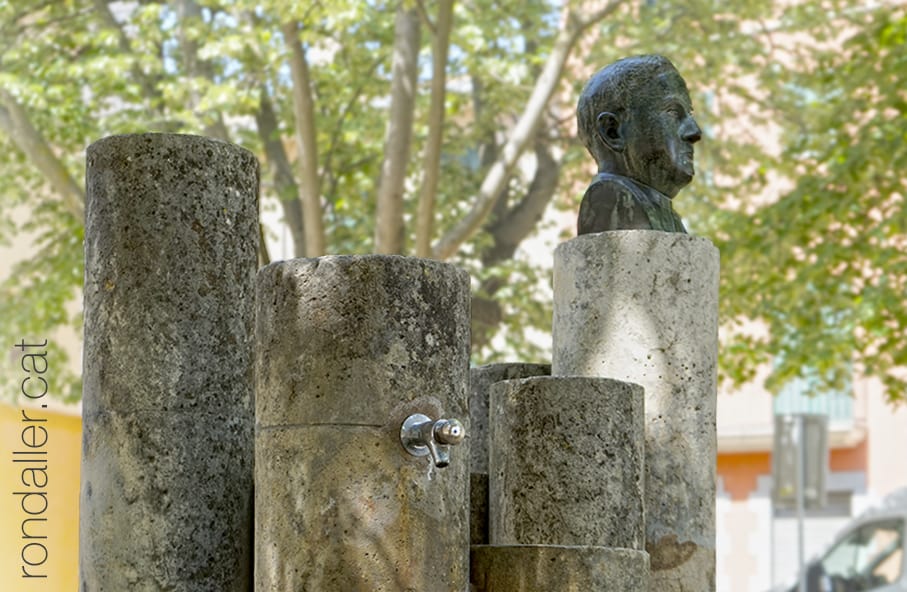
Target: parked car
{"points": [[868, 554]]}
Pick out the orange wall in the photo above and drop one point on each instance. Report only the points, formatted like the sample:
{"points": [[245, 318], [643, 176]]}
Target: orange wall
{"points": [[740, 471], [850, 459], [61, 528]]}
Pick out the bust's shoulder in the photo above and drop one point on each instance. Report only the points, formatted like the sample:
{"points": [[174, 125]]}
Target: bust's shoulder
{"points": [[612, 202]]}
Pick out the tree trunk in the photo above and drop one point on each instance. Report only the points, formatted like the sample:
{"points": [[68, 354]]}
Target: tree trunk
{"points": [[306, 142], [389, 229], [284, 182], [432, 166]]}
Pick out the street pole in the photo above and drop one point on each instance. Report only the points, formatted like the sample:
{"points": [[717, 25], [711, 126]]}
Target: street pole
{"points": [[801, 451]]}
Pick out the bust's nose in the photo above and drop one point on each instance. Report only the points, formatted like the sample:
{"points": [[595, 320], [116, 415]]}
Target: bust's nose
{"points": [[689, 130]]}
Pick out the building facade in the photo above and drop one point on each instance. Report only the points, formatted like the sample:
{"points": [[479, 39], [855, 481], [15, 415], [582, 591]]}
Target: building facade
{"points": [[757, 544]]}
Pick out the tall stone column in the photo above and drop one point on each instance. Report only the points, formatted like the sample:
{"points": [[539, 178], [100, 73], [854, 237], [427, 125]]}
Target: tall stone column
{"points": [[171, 241], [642, 307], [348, 348]]}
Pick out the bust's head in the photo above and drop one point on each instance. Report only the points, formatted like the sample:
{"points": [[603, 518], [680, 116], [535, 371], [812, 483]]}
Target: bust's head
{"points": [[635, 118]]}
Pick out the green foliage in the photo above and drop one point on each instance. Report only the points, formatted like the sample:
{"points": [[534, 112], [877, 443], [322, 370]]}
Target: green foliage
{"points": [[800, 186], [38, 297], [823, 265]]}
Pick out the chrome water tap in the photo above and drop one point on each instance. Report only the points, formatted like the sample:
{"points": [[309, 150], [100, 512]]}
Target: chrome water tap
{"points": [[421, 436]]}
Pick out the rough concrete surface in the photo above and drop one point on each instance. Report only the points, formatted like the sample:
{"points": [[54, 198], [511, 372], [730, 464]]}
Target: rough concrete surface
{"points": [[566, 464], [346, 509], [643, 307], [546, 568], [171, 250], [171, 239], [166, 502], [348, 347], [480, 380], [352, 339]]}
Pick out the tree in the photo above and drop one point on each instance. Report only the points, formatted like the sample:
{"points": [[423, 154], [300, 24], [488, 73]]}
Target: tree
{"points": [[823, 264], [445, 129], [311, 89]]}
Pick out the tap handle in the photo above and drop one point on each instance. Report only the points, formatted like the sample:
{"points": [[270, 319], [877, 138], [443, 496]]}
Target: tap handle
{"points": [[449, 431]]}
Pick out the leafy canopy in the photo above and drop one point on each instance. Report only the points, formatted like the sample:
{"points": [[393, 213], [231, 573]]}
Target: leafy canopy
{"points": [[799, 183]]}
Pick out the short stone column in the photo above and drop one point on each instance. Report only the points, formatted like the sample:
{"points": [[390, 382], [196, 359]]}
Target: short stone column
{"points": [[642, 306], [566, 487], [171, 240], [566, 464], [348, 348], [480, 380]]}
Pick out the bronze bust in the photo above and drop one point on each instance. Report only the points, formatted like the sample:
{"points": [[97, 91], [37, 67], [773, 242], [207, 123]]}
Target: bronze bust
{"points": [[635, 118]]}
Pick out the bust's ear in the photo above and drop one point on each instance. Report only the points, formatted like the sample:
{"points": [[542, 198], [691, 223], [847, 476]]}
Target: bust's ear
{"points": [[609, 131]]}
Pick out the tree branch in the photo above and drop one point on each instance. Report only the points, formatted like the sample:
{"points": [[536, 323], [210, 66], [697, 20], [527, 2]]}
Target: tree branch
{"points": [[328, 173], [523, 131], [509, 230], [423, 13], [306, 142], [149, 88], [14, 121], [189, 9], [284, 182], [389, 229], [432, 166]]}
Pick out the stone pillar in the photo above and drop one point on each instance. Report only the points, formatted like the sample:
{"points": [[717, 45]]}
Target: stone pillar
{"points": [[348, 348], [566, 463], [642, 306], [566, 488], [480, 381], [171, 241]]}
